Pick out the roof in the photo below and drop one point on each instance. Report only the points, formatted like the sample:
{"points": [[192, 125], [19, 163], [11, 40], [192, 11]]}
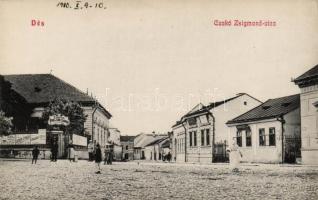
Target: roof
{"points": [[127, 138], [177, 123], [166, 144], [205, 109], [43, 88], [147, 139], [156, 141], [272, 108], [313, 72]]}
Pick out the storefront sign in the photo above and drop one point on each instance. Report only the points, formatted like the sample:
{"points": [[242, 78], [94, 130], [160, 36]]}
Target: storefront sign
{"points": [[24, 139], [79, 140], [58, 120]]}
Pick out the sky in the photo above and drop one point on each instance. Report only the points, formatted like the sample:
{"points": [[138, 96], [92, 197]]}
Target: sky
{"points": [[149, 62]]}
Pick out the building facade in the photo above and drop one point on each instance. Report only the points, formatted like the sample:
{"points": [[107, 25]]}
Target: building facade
{"points": [[269, 133], [155, 150], [178, 142], [127, 143], [141, 141], [308, 84], [202, 135], [36, 92]]}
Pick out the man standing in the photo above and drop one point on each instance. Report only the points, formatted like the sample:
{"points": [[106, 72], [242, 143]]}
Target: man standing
{"points": [[35, 154], [54, 151]]}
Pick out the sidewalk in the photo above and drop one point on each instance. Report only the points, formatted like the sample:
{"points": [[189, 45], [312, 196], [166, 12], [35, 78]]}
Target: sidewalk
{"points": [[243, 165]]}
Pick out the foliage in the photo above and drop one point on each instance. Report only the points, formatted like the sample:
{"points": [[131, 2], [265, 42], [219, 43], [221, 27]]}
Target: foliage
{"points": [[14, 105], [5, 124], [70, 109]]}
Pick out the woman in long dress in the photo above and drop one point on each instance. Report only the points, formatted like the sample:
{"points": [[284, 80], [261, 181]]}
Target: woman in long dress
{"points": [[98, 158], [235, 157]]}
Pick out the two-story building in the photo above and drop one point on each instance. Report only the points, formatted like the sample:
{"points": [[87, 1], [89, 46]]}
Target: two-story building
{"points": [[127, 143], [308, 84], [202, 136], [37, 91]]}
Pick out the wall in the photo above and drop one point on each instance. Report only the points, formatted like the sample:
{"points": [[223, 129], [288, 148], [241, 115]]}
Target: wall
{"points": [[149, 153], [178, 146], [130, 150], [229, 111], [200, 153], [114, 136], [100, 125], [309, 130], [257, 153], [118, 152], [222, 114]]}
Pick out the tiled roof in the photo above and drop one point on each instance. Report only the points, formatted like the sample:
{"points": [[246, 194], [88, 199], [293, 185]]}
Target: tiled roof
{"points": [[166, 144], [272, 108], [156, 141], [313, 72], [43, 88], [126, 138]]}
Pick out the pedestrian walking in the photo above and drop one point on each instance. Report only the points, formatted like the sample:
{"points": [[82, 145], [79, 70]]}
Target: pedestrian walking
{"points": [[35, 154], [98, 158]]}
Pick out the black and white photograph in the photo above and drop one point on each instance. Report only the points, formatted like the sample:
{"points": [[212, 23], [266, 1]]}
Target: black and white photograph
{"points": [[158, 99]]}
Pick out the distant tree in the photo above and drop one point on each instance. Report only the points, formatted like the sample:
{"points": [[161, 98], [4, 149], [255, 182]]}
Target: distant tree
{"points": [[5, 124], [70, 109]]}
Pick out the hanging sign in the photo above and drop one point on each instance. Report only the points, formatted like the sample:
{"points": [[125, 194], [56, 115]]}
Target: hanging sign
{"points": [[58, 120]]}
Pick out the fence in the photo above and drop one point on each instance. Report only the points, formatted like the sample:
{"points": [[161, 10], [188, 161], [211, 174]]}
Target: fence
{"points": [[292, 147], [220, 153]]}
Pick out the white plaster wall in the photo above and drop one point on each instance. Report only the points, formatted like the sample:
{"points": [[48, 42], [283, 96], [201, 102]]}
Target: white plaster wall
{"points": [[178, 151], [257, 153], [309, 130], [229, 111]]}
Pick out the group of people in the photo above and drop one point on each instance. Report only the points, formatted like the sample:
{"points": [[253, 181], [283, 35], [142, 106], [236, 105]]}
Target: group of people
{"points": [[95, 153]]}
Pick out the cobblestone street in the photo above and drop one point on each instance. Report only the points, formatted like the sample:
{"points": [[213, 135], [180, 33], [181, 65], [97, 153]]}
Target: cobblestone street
{"points": [[65, 180]]}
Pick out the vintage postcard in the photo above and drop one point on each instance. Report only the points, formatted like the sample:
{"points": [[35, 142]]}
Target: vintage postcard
{"points": [[149, 99]]}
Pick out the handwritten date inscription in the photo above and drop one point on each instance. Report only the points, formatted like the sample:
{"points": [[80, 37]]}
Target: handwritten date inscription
{"points": [[78, 5]]}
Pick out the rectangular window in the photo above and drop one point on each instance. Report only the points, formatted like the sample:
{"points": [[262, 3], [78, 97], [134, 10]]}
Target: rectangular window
{"points": [[272, 138], [202, 137], [195, 138], [190, 137], [248, 138], [262, 137], [207, 136], [239, 138], [192, 121]]}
